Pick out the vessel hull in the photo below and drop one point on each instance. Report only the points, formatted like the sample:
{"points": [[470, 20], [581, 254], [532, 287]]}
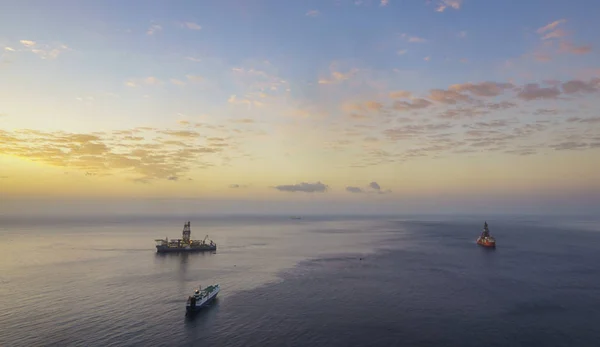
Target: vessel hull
{"points": [[190, 309], [487, 244], [162, 249]]}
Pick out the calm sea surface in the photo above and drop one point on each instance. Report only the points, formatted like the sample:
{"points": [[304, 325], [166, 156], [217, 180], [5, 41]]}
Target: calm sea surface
{"points": [[319, 281]]}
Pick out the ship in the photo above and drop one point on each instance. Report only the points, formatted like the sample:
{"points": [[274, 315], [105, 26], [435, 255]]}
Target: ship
{"points": [[485, 239], [185, 244], [201, 298]]}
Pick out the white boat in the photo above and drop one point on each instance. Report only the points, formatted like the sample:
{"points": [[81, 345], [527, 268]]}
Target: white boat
{"points": [[201, 297]]}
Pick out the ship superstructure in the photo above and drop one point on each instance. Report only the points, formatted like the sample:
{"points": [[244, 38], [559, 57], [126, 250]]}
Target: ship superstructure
{"points": [[185, 243], [485, 239]]}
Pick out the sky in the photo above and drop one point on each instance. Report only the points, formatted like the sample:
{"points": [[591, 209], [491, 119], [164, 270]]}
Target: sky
{"points": [[332, 105]]}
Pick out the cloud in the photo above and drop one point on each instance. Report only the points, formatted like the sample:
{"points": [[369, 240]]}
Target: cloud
{"points": [[462, 34], [556, 34], [337, 77], [355, 190], [236, 186], [163, 155], [150, 80], [545, 112], [233, 99], [484, 89], [584, 120], [27, 43], [413, 131], [415, 104], [444, 4], [503, 105], [428, 58], [259, 81], [243, 121], [402, 51], [194, 78], [549, 34], [569, 146], [550, 26], [567, 47], [384, 2], [575, 86], [498, 123], [532, 91], [400, 94], [196, 60], [463, 113], [172, 178], [154, 28], [313, 13], [44, 51], [191, 25], [177, 82], [317, 187], [181, 133], [372, 188], [447, 96], [412, 39]]}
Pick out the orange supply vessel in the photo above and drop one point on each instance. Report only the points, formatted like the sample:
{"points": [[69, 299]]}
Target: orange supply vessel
{"points": [[485, 239]]}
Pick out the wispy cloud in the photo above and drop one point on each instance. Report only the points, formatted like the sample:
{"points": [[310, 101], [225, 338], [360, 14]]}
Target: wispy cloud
{"points": [[191, 26], [442, 5], [196, 60], [556, 34], [533, 91], [412, 39], [402, 51], [194, 78], [384, 2], [43, 50], [150, 80], [27, 43], [371, 188], [337, 77], [551, 35], [233, 99], [177, 82], [154, 28], [567, 47], [305, 187], [313, 13], [551, 26]]}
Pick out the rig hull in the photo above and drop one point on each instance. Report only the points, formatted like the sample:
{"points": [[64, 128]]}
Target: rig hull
{"points": [[166, 249], [486, 243]]}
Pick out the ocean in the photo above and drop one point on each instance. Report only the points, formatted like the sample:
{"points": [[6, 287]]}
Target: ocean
{"points": [[318, 281]]}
